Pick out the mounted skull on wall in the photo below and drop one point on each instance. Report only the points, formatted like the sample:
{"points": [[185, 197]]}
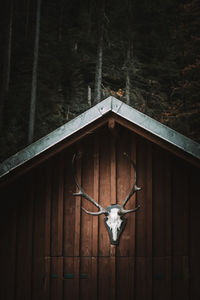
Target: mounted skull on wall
{"points": [[115, 220]]}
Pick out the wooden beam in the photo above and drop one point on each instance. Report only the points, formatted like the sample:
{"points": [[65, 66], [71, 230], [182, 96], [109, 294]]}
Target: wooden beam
{"points": [[111, 123], [112, 126]]}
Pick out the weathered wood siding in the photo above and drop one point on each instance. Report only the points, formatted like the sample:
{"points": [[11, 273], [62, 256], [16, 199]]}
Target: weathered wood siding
{"points": [[51, 249]]}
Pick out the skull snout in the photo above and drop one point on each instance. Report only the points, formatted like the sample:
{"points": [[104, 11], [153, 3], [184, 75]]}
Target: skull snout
{"points": [[114, 222]]}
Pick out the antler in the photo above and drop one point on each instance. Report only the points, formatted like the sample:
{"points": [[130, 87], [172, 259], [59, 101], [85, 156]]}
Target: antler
{"points": [[134, 189], [81, 193]]}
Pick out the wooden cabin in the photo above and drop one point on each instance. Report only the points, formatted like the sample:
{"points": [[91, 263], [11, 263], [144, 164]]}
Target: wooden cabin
{"points": [[51, 249]]}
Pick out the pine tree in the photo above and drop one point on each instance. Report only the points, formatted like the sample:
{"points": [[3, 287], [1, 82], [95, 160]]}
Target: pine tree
{"points": [[6, 65], [34, 77], [99, 63]]}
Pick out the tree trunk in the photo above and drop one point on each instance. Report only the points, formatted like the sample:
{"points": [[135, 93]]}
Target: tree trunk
{"points": [[128, 84], [129, 51], [60, 34], [9, 48], [6, 66], [98, 73], [89, 19], [89, 96], [27, 18], [34, 77]]}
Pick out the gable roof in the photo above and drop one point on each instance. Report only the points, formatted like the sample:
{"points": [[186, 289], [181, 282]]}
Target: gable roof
{"points": [[109, 105]]}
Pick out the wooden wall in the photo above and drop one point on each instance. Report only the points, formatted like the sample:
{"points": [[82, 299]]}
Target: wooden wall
{"points": [[51, 249]]}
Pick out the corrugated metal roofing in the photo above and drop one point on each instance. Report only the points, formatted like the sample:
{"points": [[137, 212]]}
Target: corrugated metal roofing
{"points": [[110, 104]]}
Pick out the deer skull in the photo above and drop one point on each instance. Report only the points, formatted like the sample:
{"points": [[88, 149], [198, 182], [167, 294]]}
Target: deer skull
{"points": [[115, 223], [115, 220]]}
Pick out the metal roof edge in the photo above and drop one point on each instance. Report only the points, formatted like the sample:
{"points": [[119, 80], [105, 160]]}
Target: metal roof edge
{"points": [[96, 112], [56, 136], [160, 130]]}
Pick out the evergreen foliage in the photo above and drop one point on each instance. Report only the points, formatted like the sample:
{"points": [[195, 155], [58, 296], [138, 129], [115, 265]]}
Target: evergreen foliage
{"points": [[150, 46]]}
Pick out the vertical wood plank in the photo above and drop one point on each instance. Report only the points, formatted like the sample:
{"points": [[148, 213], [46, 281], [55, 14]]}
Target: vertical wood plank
{"points": [[180, 208], [87, 288], [125, 181], [60, 204], [140, 291], [149, 219], [77, 211], [180, 277], [77, 231], [47, 229], [143, 262], [46, 279], [94, 274], [113, 191], [194, 209], [57, 208], [54, 209], [104, 191], [95, 236], [141, 234], [105, 281], [69, 207], [8, 234], [68, 279], [48, 193], [95, 233], [113, 272], [162, 221], [162, 235], [113, 199], [162, 278], [87, 184], [144, 199], [56, 277], [38, 267], [180, 228], [24, 239], [125, 278], [133, 203], [77, 277]]}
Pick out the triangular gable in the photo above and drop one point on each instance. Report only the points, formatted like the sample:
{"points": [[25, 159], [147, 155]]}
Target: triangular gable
{"points": [[109, 105]]}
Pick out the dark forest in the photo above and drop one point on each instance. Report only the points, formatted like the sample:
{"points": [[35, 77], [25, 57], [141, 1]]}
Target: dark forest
{"points": [[59, 58]]}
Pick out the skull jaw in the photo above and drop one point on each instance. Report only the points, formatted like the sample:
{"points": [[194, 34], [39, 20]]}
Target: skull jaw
{"points": [[123, 224]]}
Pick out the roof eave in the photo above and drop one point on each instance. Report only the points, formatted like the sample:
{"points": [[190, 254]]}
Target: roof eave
{"points": [[56, 136], [93, 114], [160, 130]]}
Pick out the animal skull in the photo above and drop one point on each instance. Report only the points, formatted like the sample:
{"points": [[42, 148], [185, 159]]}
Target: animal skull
{"points": [[115, 223], [115, 219]]}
